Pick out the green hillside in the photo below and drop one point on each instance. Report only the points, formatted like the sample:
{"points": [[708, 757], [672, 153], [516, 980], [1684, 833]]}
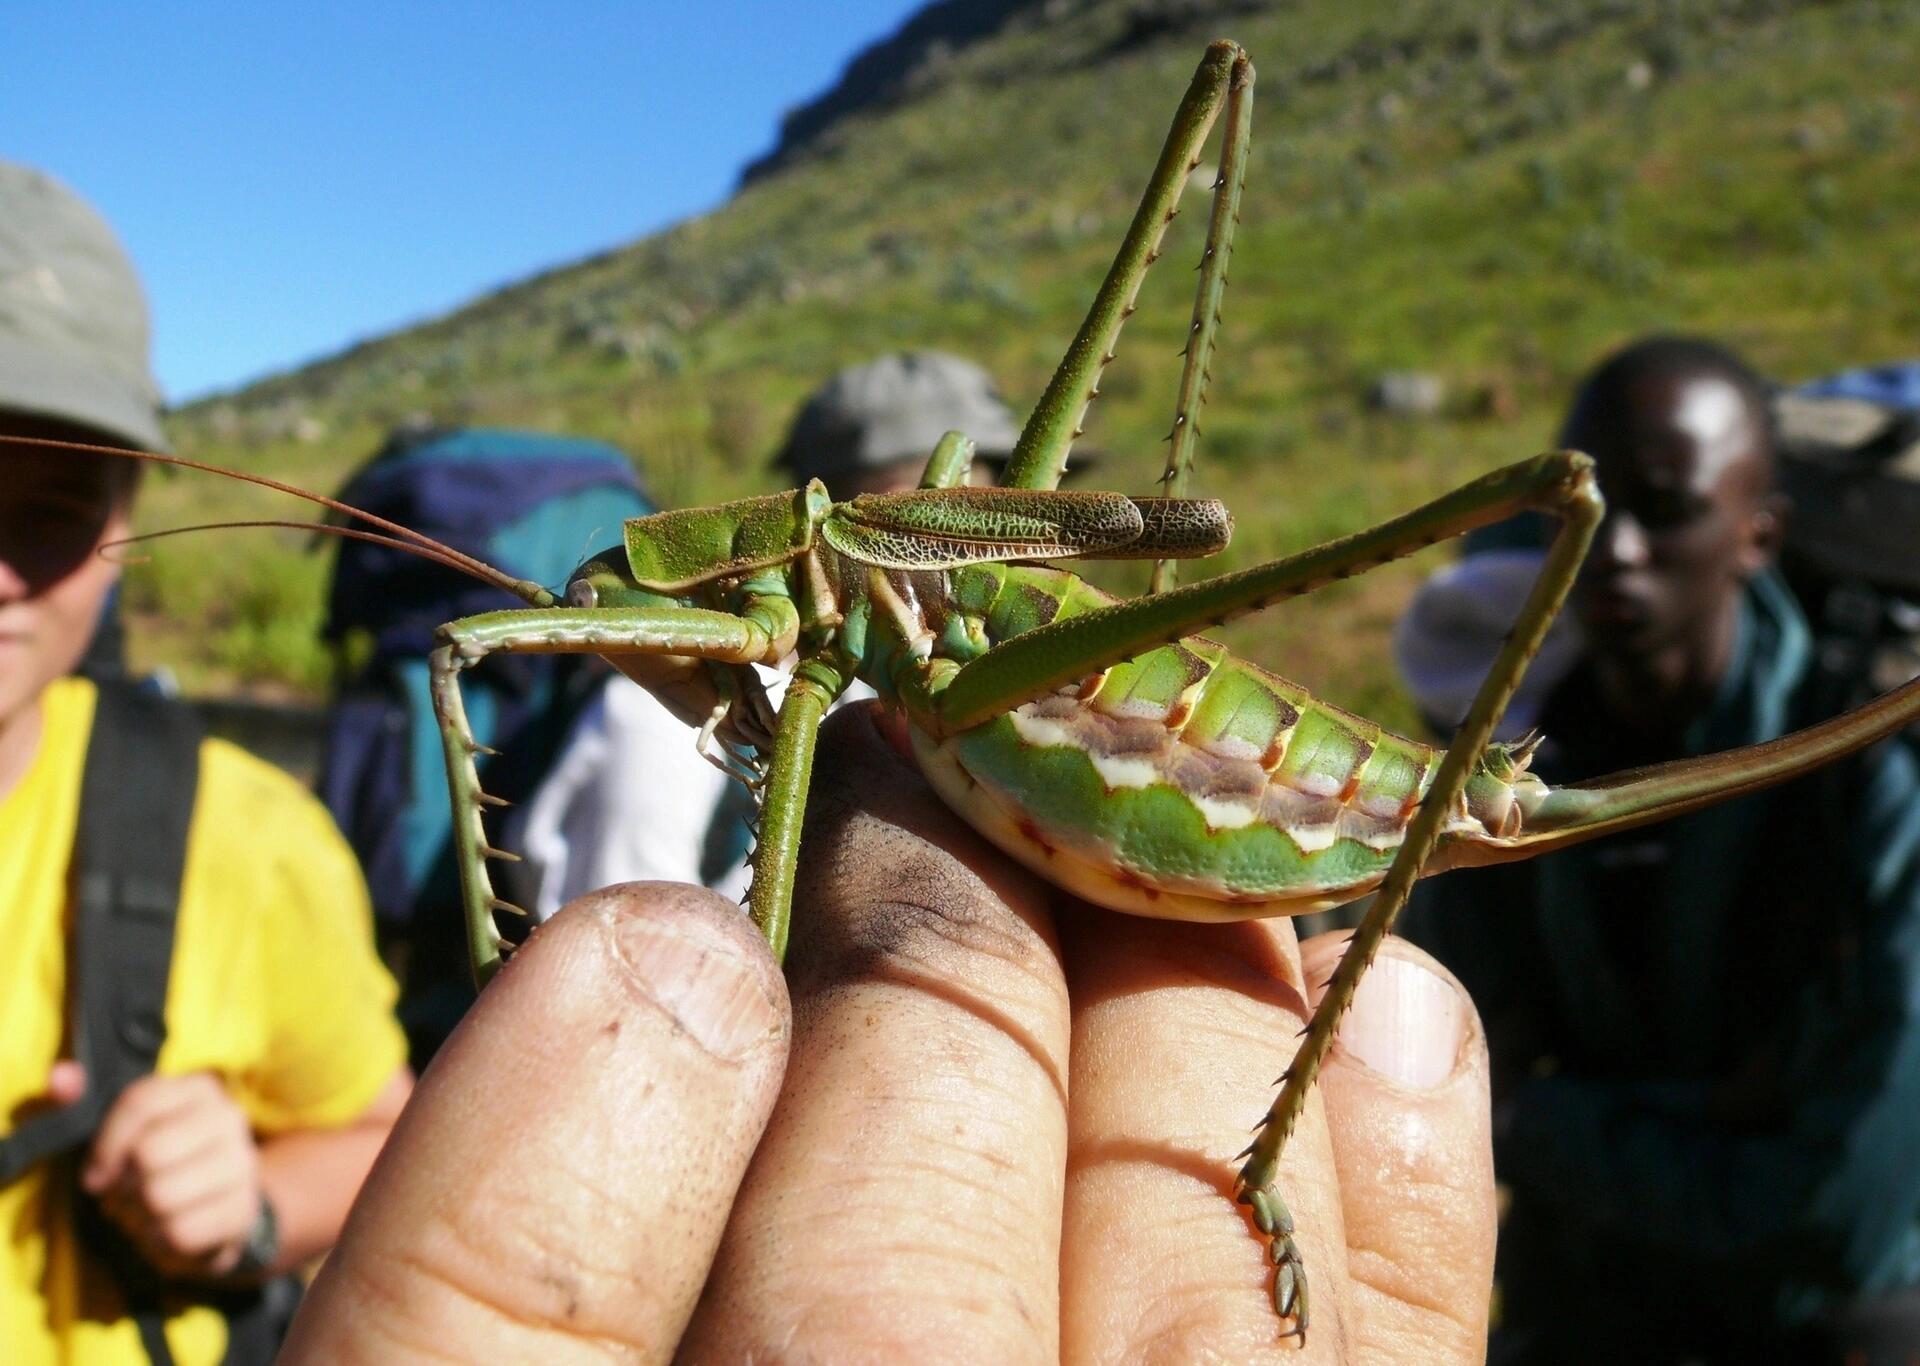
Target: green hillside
{"points": [[1491, 193]]}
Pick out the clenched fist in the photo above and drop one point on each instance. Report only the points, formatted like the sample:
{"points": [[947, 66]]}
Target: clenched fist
{"points": [[175, 1166]]}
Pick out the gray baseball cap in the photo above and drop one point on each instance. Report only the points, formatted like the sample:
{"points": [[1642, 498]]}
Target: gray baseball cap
{"points": [[73, 320], [896, 408]]}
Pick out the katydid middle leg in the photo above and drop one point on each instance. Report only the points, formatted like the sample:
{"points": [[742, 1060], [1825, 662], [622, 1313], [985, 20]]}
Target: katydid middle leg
{"points": [[812, 689], [1042, 660], [1038, 662]]}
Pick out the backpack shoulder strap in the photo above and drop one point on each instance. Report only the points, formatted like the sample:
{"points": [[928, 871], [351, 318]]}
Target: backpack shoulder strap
{"points": [[130, 850], [136, 803]]}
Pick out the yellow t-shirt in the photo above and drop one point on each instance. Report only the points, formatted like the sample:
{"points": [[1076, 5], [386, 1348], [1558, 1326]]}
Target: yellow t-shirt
{"points": [[275, 987]]}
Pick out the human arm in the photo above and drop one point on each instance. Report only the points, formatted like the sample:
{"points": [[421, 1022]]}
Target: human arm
{"points": [[177, 1167], [283, 1066], [1005, 1132], [312, 1176]]}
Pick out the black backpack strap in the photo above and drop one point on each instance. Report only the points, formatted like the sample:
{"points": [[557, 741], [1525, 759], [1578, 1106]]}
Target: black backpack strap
{"points": [[130, 849], [130, 853], [136, 802]]}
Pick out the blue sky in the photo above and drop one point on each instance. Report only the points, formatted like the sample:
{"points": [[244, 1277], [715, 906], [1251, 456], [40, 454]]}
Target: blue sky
{"points": [[290, 178]]}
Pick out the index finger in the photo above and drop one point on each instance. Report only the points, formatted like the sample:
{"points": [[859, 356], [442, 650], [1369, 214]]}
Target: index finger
{"points": [[558, 1183]]}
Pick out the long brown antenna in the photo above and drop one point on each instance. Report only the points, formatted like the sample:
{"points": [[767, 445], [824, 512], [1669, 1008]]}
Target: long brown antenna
{"points": [[399, 537], [318, 528]]}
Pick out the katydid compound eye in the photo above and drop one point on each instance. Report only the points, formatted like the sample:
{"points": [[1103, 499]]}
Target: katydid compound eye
{"points": [[580, 593]]}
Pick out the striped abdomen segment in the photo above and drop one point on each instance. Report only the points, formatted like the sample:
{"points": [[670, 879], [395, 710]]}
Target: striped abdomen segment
{"points": [[1193, 785]]}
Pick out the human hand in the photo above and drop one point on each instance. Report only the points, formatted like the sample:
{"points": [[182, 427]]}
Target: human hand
{"points": [[175, 1167], [583, 1169]]}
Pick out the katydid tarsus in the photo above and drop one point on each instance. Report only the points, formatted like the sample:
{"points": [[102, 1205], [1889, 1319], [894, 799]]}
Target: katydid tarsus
{"points": [[1099, 742]]}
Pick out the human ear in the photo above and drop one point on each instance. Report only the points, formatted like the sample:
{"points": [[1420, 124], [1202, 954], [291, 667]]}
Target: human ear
{"points": [[1766, 527]]}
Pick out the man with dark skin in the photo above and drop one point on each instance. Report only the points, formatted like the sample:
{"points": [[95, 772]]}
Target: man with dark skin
{"points": [[1685, 463], [1706, 1033]]}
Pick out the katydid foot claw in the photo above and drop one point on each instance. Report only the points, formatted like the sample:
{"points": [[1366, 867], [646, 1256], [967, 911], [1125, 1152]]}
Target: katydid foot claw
{"points": [[1272, 1218], [1289, 1285]]}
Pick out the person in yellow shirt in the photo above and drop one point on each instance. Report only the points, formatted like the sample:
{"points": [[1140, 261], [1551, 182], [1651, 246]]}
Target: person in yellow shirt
{"points": [[279, 1068]]}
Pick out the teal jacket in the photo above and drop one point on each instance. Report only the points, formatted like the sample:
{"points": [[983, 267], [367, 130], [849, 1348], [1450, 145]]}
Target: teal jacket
{"points": [[1711, 1027]]}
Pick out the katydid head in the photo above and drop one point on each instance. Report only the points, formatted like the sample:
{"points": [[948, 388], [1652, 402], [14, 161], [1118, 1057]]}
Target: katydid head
{"points": [[672, 553], [606, 580], [694, 690]]}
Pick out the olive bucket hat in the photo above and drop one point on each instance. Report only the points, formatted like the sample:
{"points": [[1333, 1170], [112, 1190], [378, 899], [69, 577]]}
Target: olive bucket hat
{"points": [[73, 320], [897, 408]]}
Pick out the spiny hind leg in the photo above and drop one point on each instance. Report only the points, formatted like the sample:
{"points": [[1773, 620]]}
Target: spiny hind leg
{"points": [[1196, 373], [1577, 503], [1046, 658], [1040, 457], [553, 630]]}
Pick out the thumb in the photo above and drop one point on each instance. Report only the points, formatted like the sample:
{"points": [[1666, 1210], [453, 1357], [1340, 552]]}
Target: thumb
{"points": [[67, 1082], [1408, 1105]]}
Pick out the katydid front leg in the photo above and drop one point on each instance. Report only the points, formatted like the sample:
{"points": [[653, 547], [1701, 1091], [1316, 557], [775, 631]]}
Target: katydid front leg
{"points": [[609, 632], [813, 688], [1045, 659]]}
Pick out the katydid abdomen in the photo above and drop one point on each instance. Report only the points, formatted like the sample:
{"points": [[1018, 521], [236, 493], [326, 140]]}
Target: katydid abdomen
{"points": [[1188, 784], [1185, 783]]}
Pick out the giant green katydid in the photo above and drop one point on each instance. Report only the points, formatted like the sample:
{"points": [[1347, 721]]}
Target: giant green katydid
{"points": [[1099, 742]]}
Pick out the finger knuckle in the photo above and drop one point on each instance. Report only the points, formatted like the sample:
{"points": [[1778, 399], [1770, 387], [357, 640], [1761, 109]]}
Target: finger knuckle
{"points": [[931, 911]]}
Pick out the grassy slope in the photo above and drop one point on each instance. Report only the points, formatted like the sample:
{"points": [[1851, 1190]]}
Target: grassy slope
{"points": [[1488, 192]]}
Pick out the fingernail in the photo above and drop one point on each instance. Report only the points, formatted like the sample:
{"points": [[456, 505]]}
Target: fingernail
{"points": [[709, 990], [1406, 1023]]}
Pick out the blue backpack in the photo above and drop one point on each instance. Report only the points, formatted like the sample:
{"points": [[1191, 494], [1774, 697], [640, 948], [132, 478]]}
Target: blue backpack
{"points": [[1850, 461], [531, 504]]}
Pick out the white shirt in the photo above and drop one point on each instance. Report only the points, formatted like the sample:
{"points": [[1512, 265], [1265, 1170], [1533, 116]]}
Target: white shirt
{"points": [[629, 799], [1445, 642]]}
